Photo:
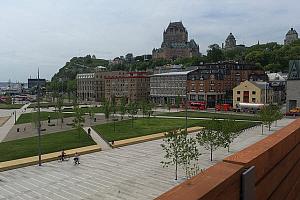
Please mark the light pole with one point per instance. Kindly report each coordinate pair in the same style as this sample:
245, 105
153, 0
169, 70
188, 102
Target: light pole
39, 120
186, 98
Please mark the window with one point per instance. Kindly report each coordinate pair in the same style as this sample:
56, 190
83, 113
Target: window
238, 99
254, 92
238, 92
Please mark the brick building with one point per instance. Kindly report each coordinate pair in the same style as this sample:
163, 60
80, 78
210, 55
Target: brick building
134, 86
175, 43
211, 83
214, 82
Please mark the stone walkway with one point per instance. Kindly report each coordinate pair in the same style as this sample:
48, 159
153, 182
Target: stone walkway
4, 130
131, 172
98, 139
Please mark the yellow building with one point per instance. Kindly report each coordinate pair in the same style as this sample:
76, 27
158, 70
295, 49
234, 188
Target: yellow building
252, 92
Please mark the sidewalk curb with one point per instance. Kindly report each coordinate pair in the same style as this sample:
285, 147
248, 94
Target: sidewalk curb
147, 138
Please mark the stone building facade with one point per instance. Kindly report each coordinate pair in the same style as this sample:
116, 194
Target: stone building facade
175, 44
291, 36
166, 87
86, 86
230, 42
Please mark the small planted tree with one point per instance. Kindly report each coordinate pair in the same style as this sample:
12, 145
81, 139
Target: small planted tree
169, 105
266, 115
278, 115
107, 110
172, 146
177, 101
188, 153
123, 107
59, 106
78, 119
91, 114
229, 131
210, 137
132, 111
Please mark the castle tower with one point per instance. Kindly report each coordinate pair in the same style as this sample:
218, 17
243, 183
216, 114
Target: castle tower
230, 42
291, 36
176, 44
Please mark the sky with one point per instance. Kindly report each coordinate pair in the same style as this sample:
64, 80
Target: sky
46, 34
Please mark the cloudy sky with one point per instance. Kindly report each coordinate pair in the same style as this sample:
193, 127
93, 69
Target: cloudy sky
47, 33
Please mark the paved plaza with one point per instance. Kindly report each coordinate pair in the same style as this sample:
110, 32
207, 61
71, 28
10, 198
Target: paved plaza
131, 172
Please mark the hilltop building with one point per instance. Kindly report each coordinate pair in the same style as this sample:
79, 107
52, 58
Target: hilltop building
291, 36
175, 43
230, 43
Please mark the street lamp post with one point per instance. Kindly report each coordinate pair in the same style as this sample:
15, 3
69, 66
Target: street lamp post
39, 120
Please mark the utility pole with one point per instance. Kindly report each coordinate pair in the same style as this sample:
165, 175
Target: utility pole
39, 120
186, 115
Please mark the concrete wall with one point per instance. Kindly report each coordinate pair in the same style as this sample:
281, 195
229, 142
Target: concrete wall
277, 171
293, 92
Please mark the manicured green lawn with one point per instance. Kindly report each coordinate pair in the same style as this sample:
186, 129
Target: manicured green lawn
145, 126
10, 106
197, 114
50, 143
27, 117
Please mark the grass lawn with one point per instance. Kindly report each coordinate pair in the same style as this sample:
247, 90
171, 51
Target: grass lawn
10, 106
198, 114
27, 117
50, 143
145, 126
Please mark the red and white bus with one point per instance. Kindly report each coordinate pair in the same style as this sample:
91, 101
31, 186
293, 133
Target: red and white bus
199, 105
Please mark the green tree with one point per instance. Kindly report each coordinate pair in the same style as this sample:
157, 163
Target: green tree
78, 119
123, 107
59, 106
214, 53
177, 101
107, 110
91, 113
172, 146
188, 153
169, 105
229, 131
266, 115
278, 115
210, 137
132, 110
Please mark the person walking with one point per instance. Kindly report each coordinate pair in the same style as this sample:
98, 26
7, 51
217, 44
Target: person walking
76, 159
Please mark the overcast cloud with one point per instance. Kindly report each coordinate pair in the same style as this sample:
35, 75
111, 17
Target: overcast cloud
48, 33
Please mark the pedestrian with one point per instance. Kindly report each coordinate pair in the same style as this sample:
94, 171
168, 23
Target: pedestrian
24, 129
76, 159
62, 155
89, 131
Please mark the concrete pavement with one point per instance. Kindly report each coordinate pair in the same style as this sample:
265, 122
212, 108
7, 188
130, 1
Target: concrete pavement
130, 172
4, 130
